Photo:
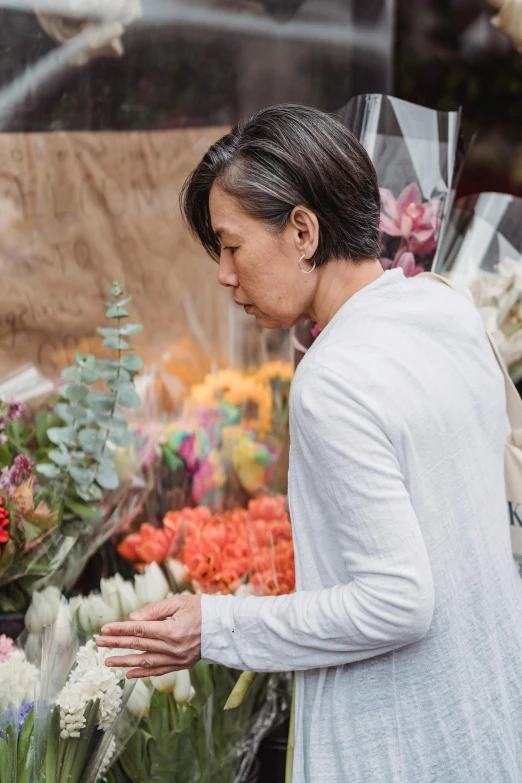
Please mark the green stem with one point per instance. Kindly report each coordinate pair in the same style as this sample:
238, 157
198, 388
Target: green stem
91, 714
51, 761
291, 740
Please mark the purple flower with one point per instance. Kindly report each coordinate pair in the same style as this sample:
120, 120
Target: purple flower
21, 471
25, 709
3, 439
15, 411
407, 216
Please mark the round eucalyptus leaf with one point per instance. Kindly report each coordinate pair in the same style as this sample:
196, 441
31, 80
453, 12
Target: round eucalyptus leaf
130, 329
132, 363
74, 392
106, 477
46, 469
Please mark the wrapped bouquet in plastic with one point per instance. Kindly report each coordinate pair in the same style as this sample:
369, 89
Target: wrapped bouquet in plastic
482, 251
71, 468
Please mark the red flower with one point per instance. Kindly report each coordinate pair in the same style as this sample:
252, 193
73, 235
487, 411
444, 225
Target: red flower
4, 523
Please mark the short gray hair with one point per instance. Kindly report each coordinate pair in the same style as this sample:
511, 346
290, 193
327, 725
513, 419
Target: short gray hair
287, 156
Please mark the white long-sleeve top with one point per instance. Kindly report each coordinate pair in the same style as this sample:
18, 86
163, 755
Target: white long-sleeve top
406, 626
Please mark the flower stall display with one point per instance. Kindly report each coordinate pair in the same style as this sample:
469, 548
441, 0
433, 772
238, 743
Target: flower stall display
483, 251
230, 441
237, 551
70, 470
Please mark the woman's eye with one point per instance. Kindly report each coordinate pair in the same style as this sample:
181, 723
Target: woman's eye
232, 249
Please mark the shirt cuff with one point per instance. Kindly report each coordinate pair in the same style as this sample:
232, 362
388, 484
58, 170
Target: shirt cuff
217, 627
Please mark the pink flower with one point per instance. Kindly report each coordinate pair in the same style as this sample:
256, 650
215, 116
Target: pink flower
7, 648
210, 474
407, 217
404, 261
316, 330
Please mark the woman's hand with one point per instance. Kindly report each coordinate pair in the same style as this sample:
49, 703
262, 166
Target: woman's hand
166, 645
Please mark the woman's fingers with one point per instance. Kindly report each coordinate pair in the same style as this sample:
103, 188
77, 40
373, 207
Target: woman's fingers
143, 630
135, 643
145, 661
135, 673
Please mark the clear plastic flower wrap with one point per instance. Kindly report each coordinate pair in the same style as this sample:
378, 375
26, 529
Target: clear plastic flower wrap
198, 741
18, 679
418, 154
482, 250
73, 470
78, 706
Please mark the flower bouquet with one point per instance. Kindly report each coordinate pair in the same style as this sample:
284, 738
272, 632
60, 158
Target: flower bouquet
482, 250
418, 155
70, 470
230, 441
18, 678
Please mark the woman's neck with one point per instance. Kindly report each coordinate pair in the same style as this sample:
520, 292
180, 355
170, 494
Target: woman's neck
338, 282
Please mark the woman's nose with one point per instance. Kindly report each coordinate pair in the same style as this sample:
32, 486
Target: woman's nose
226, 276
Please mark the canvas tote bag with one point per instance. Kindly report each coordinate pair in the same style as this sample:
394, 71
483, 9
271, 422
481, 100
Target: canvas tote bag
513, 447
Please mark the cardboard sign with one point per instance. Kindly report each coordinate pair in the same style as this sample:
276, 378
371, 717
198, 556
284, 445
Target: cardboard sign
79, 210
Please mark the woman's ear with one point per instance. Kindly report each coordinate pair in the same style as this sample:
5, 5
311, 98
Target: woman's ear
305, 226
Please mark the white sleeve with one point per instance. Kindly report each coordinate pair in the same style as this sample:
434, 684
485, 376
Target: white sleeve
386, 602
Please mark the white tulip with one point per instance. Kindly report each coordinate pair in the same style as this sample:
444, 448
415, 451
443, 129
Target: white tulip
178, 570
151, 586
243, 590
43, 609
182, 687
94, 612
128, 598
165, 683
139, 701
63, 624
110, 595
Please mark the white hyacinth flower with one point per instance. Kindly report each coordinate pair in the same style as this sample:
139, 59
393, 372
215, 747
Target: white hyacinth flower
72, 703
90, 680
43, 610
17, 680
107, 760
151, 586
139, 700
182, 687
165, 683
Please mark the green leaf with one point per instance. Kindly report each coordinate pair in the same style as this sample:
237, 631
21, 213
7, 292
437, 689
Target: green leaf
81, 475
108, 331
91, 440
30, 531
60, 458
128, 397
81, 509
115, 311
111, 423
72, 527
91, 494
116, 289
107, 477
43, 420
5, 456
46, 469
116, 344
74, 392
65, 435
118, 377
91, 376
72, 374
124, 301
100, 402
25, 761
121, 438
130, 329
132, 363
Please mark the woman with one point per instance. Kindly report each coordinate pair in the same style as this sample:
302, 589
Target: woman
405, 630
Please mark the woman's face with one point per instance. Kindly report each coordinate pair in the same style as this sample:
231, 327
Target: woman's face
261, 266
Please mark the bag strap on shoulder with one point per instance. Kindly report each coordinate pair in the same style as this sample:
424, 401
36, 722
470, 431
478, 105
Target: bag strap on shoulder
513, 400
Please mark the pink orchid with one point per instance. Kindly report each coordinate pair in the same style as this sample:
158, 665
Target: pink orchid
7, 648
316, 331
407, 217
405, 261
